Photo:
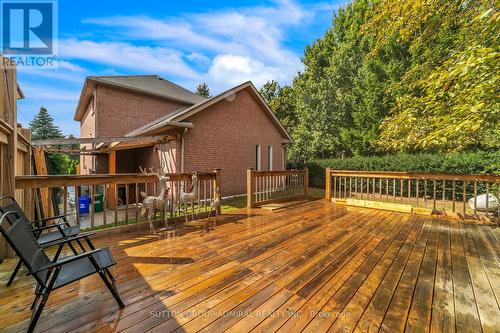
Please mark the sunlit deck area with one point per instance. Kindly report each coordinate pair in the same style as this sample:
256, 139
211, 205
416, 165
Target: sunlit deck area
313, 267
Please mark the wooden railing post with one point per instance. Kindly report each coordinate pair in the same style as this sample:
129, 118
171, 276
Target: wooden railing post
328, 185
111, 197
306, 182
217, 185
250, 186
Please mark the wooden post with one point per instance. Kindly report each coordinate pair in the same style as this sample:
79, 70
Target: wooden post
112, 202
216, 184
250, 187
328, 185
306, 182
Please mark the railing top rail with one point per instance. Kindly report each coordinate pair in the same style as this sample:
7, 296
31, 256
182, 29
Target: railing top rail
277, 173
25, 182
415, 175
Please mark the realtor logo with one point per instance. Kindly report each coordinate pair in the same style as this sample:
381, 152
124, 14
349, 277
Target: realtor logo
28, 32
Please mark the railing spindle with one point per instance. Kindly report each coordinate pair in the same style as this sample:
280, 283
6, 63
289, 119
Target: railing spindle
65, 198
434, 195
475, 197
401, 190
77, 207
137, 202
115, 188
91, 207
453, 184
104, 204
487, 197
417, 190
425, 193
464, 198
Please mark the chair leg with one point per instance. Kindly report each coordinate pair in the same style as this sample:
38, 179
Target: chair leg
37, 311
112, 289
72, 248
81, 245
14, 273
110, 275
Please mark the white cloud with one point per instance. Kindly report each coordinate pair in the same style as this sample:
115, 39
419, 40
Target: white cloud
126, 55
258, 33
235, 69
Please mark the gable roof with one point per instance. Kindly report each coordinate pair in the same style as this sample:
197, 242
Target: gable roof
178, 116
152, 85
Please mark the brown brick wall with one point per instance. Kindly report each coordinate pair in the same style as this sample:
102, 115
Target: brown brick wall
87, 130
225, 135
120, 111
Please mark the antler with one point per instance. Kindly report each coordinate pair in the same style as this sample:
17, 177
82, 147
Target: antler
150, 173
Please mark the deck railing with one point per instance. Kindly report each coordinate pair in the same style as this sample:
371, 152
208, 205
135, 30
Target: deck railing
270, 186
460, 194
116, 194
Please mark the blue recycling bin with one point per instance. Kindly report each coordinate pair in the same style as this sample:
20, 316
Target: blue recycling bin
83, 204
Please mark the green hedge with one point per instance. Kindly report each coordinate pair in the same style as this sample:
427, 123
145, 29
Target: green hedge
466, 163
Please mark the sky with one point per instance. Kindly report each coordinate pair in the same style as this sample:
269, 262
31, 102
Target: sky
222, 43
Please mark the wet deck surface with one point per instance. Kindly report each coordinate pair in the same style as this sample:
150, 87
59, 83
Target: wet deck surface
314, 267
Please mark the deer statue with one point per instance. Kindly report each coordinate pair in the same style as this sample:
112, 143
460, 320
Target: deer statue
150, 202
192, 196
215, 204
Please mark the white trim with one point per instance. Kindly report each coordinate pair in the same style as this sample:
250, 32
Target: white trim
258, 157
270, 158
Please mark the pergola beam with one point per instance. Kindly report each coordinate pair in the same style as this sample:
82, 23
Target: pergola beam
79, 141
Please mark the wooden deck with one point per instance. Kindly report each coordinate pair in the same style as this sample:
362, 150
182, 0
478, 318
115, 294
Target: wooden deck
314, 267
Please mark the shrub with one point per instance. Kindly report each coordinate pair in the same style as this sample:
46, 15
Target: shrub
461, 163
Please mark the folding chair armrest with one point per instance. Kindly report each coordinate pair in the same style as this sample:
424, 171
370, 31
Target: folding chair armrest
69, 239
66, 260
55, 225
45, 220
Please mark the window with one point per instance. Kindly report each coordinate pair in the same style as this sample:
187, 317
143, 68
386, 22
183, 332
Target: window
270, 158
257, 157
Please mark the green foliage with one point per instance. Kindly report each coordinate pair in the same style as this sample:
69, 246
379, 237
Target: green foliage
42, 126
451, 98
203, 90
465, 163
394, 76
282, 101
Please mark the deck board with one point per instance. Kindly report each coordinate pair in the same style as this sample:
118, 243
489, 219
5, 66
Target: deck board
312, 267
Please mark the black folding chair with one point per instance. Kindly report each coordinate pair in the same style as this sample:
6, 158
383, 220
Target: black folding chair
41, 230
51, 275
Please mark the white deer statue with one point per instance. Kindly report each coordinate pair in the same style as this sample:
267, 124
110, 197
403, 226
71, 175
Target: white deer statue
215, 204
185, 197
150, 202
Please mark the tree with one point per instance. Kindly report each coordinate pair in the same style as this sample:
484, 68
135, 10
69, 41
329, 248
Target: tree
42, 126
270, 90
451, 98
396, 76
203, 90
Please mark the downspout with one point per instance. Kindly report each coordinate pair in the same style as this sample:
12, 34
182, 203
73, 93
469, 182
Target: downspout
182, 149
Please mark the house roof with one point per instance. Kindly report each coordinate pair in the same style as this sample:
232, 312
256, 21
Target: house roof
179, 116
152, 85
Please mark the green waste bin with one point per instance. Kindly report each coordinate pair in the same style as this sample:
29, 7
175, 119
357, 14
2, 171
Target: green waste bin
98, 199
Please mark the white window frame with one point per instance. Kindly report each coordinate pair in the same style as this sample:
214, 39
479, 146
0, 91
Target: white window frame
258, 158
270, 157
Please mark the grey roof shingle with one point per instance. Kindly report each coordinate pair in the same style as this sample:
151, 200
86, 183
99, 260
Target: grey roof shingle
152, 85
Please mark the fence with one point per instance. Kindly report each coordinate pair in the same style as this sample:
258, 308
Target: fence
463, 195
268, 186
113, 198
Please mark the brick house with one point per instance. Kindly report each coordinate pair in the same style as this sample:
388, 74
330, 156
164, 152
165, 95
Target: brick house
234, 130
